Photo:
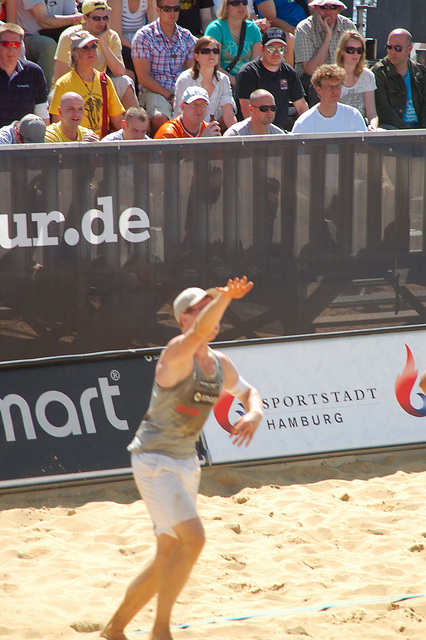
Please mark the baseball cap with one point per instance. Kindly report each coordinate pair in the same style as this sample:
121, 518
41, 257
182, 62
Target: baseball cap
321, 3
92, 5
195, 93
190, 297
32, 128
274, 35
82, 38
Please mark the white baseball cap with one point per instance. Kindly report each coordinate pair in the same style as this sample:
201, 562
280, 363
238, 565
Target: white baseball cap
321, 3
195, 93
190, 297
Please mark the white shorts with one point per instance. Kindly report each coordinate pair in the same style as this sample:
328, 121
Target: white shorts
155, 104
121, 84
169, 488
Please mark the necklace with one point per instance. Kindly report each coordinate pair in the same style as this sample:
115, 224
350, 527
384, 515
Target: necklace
89, 89
236, 36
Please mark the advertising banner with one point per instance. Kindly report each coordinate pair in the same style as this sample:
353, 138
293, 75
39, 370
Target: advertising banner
71, 420
74, 419
327, 395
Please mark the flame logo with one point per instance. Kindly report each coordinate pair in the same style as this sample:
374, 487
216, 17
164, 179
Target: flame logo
404, 384
222, 409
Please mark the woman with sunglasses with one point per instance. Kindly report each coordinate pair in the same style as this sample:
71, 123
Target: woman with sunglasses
239, 37
204, 73
359, 87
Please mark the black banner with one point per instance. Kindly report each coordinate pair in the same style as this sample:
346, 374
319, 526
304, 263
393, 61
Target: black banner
76, 416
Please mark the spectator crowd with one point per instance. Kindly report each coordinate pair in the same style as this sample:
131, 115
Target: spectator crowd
139, 69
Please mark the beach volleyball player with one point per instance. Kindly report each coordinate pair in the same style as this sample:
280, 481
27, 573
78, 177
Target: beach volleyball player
189, 378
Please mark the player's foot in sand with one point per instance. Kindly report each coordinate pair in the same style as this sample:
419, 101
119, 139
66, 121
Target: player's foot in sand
110, 634
165, 635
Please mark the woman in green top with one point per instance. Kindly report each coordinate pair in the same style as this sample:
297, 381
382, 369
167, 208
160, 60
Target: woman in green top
239, 37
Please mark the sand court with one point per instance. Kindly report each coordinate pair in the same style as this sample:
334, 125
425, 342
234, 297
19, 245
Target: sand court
320, 549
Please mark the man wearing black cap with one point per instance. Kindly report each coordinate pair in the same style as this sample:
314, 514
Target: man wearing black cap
271, 73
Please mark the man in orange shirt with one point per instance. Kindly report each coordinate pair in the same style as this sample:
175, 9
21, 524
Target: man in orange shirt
191, 122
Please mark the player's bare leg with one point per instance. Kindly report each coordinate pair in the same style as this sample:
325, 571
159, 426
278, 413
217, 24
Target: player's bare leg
176, 572
141, 590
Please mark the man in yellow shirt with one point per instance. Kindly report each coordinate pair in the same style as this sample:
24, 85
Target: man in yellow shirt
102, 109
96, 22
68, 129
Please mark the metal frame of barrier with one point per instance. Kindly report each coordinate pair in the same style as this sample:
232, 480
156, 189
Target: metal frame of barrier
96, 240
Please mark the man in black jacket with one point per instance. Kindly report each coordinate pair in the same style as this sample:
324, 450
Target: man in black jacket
401, 85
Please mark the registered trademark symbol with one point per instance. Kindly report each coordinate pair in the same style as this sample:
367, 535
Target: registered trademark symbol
115, 375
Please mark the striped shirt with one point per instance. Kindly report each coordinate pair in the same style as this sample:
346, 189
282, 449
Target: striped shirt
309, 36
167, 58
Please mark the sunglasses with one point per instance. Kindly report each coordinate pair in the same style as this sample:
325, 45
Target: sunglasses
167, 9
99, 18
7, 44
330, 7
236, 3
352, 50
397, 47
90, 47
273, 49
205, 51
266, 107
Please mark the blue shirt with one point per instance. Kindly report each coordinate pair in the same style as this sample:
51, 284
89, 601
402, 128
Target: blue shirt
287, 10
7, 134
19, 94
410, 114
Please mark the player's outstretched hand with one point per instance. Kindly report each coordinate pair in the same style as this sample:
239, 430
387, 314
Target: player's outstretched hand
236, 288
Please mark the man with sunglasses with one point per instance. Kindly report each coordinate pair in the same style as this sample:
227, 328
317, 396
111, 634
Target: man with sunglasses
401, 85
23, 86
101, 103
161, 50
316, 39
96, 22
271, 73
262, 109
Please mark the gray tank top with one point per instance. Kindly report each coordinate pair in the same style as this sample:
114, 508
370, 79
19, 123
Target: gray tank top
175, 416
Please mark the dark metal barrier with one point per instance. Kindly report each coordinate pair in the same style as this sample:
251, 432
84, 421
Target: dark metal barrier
96, 240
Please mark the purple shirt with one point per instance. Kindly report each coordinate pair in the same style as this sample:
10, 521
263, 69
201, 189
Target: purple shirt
167, 58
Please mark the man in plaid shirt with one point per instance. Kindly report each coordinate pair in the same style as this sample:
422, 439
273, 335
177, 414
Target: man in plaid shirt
161, 50
316, 39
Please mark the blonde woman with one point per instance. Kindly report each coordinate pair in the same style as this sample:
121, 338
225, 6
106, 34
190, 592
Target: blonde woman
359, 87
239, 37
204, 73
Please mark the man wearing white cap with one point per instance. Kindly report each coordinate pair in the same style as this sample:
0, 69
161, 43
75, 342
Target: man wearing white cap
316, 39
191, 122
28, 130
189, 378
101, 103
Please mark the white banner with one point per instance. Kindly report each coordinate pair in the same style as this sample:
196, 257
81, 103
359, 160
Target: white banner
326, 395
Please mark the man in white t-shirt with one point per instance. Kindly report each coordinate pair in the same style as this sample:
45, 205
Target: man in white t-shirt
262, 109
329, 116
